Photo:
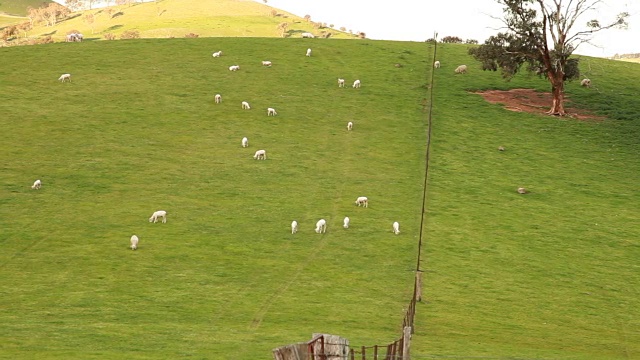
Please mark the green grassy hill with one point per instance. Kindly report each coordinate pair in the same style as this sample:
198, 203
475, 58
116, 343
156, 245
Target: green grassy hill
176, 18
19, 7
551, 274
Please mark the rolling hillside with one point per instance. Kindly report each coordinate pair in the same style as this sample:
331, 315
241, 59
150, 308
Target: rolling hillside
176, 18
549, 274
19, 7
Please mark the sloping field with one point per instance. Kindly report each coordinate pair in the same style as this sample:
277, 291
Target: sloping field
19, 7
136, 130
176, 18
550, 274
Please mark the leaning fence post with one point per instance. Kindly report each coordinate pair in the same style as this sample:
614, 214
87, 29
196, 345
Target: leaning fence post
406, 343
418, 285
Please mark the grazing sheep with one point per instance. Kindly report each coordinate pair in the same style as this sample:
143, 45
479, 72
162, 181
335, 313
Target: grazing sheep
245, 105
340, 82
245, 142
462, 69
309, 52
218, 98
362, 200
266, 63
308, 35
321, 226
349, 126
64, 77
217, 54
36, 184
500, 148
436, 64
271, 112
356, 84
585, 83
234, 67
396, 228
345, 223
260, 155
134, 242
522, 190
294, 227
157, 215
79, 37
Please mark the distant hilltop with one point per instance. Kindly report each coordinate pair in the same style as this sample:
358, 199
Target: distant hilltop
625, 56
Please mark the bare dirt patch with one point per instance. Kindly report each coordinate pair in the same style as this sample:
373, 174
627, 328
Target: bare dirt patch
534, 102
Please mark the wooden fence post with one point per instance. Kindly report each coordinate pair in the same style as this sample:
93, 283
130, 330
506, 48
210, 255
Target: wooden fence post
419, 285
406, 343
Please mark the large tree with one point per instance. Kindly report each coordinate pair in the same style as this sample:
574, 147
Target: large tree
542, 35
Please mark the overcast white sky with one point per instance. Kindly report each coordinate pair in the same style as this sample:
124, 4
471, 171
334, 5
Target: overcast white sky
417, 20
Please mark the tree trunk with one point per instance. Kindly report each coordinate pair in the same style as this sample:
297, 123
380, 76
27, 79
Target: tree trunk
557, 91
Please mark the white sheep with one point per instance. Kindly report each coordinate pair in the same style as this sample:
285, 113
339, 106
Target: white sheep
217, 53
340, 82
462, 69
356, 84
245, 105
245, 142
362, 200
271, 112
260, 155
36, 184
585, 82
436, 64
345, 223
294, 227
218, 98
321, 226
349, 126
157, 215
134, 242
309, 52
396, 228
64, 77
308, 35
266, 63
234, 67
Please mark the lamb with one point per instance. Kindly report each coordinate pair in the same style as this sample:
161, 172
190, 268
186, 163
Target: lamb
309, 52
294, 227
436, 64
345, 223
396, 228
157, 215
36, 184
356, 84
585, 83
266, 63
64, 77
245, 142
462, 69
362, 200
349, 126
500, 148
217, 54
271, 112
218, 98
234, 67
340, 82
308, 35
134, 242
245, 105
260, 155
522, 190
321, 226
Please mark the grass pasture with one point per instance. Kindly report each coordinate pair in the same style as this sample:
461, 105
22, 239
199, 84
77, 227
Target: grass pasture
137, 131
552, 274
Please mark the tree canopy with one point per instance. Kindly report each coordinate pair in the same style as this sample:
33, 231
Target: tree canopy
542, 35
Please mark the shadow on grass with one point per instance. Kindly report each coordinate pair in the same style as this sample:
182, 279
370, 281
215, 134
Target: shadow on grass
112, 28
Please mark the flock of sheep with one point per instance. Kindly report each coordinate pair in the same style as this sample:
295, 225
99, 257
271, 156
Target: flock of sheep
321, 225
